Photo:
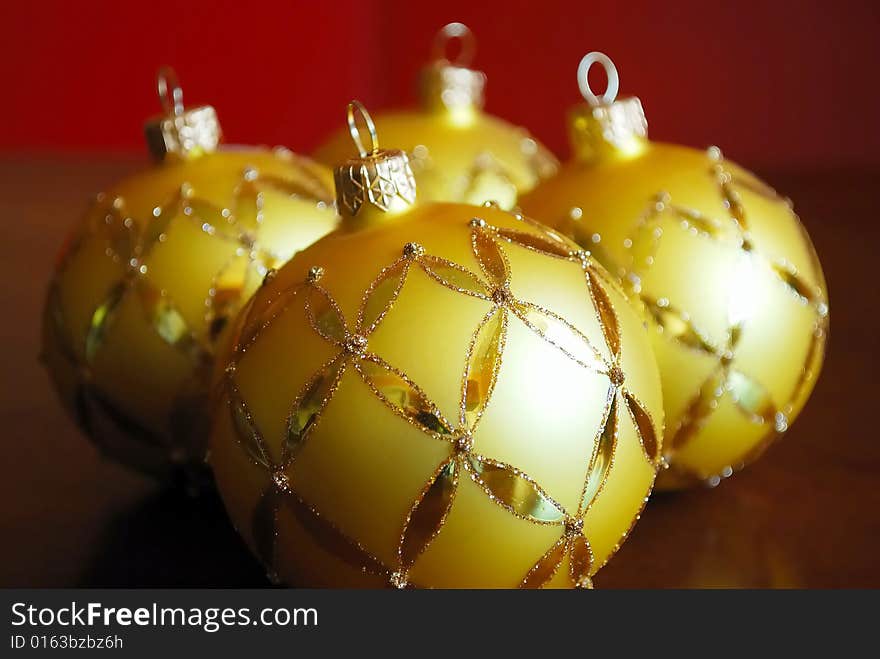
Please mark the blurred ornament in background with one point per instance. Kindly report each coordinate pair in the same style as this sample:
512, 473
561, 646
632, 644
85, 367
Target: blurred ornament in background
147, 282
731, 286
456, 151
435, 395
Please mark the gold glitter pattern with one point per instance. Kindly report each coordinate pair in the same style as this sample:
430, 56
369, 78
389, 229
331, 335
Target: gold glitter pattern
129, 243
485, 172
725, 379
504, 484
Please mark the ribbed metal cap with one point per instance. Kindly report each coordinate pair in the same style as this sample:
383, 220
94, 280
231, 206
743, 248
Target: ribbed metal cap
450, 83
604, 124
183, 132
376, 177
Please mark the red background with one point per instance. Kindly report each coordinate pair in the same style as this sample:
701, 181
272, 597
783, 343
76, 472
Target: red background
793, 84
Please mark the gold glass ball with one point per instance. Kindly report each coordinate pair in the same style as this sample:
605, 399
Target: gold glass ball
148, 280
729, 281
466, 155
446, 396
457, 152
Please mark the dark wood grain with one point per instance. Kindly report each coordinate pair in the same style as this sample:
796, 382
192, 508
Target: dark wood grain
806, 515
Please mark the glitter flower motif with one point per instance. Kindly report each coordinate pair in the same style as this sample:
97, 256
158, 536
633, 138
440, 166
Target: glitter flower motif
726, 379
130, 243
506, 485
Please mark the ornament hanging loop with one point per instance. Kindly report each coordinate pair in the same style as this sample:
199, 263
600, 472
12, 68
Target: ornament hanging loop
377, 179
354, 109
583, 76
450, 32
166, 80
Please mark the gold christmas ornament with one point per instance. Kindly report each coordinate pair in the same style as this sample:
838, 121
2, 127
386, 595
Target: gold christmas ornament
457, 152
729, 281
435, 395
146, 283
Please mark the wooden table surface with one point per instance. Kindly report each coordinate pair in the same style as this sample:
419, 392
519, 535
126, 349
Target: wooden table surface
806, 515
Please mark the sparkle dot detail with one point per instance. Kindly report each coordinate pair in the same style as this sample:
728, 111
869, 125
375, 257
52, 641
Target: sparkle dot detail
574, 526
464, 442
501, 295
781, 422
281, 481
413, 250
398, 580
356, 345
